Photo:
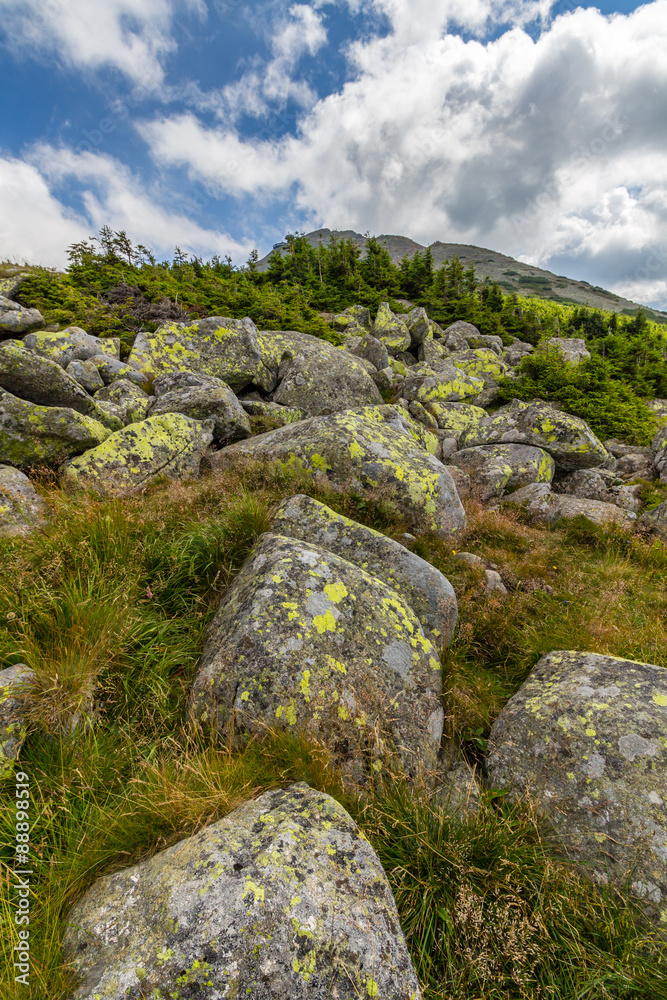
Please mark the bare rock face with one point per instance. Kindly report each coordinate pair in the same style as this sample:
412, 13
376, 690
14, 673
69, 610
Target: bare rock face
310, 642
284, 897
586, 736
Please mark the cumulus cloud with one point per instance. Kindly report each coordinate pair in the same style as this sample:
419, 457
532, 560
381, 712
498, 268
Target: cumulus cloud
132, 36
550, 146
35, 224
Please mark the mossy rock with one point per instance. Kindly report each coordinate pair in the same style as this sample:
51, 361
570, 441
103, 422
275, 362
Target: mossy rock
310, 642
205, 398
170, 445
372, 448
586, 737
456, 418
284, 897
496, 468
483, 363
447, 384
130, 401
325, 380
21, 508
32, 435
15, 319
568, 439
391, 330
14, 682
545, 508
423, 587
70, 344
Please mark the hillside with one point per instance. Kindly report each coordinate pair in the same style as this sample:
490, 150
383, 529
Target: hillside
333, 634
512, 275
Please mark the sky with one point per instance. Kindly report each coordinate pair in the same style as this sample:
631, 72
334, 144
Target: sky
535, 128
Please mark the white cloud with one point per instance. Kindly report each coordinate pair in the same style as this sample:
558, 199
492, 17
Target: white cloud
36, 226
549, 148
133, 36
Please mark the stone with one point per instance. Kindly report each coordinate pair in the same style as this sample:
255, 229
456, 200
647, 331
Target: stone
111, 370
460, 791
39, 380
448, 384
417, 411
373, 350
352, 318
568, 439
483, 363
655, 521
659, 446
419, 326
423, 587
371, 448
493, 584
487, 342
325, 381
130, 402
86, 374
456, 334
587, 484
309, 642
32, 435
547, 508
573, 349
471, 560
204, 398
283, 898
496, 468
170, 445
626, 497
277, 415
21, 508
456, 418
70, 344
433, 353
516, 352
586, 737
391, 330
16, 319
227, 349
461, 479
384, 379
10, 284
13, 724
635, 466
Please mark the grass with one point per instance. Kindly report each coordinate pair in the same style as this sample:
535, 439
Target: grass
115, 596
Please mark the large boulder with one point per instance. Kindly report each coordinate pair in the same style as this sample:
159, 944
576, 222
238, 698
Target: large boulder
202, 397
16, 319
455, 418
86, 374
655, 521
283, 898
496, 468
573, 349
483, 363
568, 439
129, 400
456, 335
324, 381
546, 508
353, 321
419, 325
372, 350
372, 448
423, 587
391, 330
307, 641
228, 349
32, 435
70, 344
170, 445
112, 370
41, 381
14, 683
445, 385
586, 737
21, 507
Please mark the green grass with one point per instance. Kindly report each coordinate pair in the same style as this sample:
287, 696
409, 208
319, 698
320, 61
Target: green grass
116, 596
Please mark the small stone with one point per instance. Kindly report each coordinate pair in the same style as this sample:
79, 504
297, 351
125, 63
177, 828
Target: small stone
13, 727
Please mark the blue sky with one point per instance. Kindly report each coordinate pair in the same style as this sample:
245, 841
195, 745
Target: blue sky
536, 128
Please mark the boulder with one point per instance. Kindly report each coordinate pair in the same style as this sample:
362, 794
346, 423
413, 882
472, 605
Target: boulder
422, 415
586, 737
38, 380
423, 587
16, 319
568, 439
111, 370
129, 400
487, 342
493, 584
70, 344
586, 484
228, 349
516, 352
324, 381
202, 397
391, 330
636, 465
21, 507
170, 445
284, 897
573, 349
456, 418
13, 726
483, 364
278, 415
456, 334
384, 379
419, 326
496, 468
309, 642
433, 353
461, 479
655, 521
86, 374
448, 384
352, 320
547, 508
32, 435
373, 350
370, 448
659, 447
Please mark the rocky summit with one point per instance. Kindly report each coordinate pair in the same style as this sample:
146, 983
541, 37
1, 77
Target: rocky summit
334, 658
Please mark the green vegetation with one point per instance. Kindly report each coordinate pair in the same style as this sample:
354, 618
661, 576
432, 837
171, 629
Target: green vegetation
119, 592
